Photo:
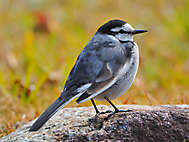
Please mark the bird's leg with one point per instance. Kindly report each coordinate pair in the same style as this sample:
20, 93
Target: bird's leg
116, 110
96, 109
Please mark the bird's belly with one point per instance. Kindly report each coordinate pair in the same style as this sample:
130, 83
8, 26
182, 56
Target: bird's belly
121, 85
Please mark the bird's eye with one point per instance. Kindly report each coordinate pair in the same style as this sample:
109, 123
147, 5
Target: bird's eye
124, 32
118, 30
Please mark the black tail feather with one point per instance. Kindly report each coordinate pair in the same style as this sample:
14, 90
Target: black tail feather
51, 110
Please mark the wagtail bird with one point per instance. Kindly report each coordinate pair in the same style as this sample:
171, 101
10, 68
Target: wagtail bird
104, 70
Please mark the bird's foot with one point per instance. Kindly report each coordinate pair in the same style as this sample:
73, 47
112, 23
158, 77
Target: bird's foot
99, 115
104, 112
116, 111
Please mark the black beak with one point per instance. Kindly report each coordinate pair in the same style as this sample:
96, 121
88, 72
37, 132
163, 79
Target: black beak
139, 31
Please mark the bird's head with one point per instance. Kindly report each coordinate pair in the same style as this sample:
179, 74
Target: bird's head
120, 30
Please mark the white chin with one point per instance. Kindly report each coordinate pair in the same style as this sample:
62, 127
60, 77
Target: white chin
124, 37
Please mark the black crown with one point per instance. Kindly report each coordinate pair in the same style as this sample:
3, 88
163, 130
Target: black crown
105, 29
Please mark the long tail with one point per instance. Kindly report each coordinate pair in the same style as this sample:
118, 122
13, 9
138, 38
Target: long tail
51, 110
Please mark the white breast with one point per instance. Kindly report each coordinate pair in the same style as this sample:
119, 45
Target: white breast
124, 78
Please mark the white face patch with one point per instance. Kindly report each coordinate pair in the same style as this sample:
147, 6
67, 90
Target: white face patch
128, 27
124, 37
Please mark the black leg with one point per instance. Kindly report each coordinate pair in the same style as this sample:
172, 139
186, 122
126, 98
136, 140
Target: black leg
115, 108
96, 109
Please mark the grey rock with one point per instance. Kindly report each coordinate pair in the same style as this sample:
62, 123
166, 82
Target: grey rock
145, 123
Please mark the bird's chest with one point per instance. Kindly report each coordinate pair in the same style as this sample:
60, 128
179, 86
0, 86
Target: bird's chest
127, 76
125, 79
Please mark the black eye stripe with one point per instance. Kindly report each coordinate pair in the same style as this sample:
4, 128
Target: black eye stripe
122, 32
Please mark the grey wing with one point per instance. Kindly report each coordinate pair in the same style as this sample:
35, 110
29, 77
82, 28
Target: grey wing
112, 58
84, 72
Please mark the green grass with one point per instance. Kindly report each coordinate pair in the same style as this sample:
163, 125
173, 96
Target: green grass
40, 41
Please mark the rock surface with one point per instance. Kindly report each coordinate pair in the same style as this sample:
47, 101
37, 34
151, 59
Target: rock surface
143, 124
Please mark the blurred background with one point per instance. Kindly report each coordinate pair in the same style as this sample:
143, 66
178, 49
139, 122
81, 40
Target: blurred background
41, 39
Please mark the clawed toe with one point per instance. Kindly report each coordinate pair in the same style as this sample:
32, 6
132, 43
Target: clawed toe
117, 110
111, 113
108, 111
